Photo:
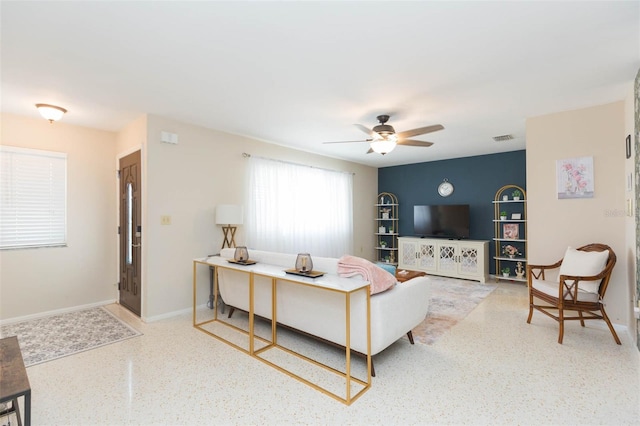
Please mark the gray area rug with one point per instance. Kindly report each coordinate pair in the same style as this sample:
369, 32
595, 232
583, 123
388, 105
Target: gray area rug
49, 338
451, 301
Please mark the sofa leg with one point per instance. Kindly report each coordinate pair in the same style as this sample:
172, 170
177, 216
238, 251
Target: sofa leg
410, 336
373, 370
231, 310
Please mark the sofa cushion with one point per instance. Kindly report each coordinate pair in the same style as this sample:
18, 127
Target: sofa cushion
388, 267
584, 264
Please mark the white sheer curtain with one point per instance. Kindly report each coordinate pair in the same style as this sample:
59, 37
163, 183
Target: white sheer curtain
299, 209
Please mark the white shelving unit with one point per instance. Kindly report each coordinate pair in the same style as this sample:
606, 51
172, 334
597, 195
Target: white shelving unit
387, 228
510, 231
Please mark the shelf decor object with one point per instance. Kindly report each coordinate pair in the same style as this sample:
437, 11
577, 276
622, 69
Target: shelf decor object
510, 235
387, 227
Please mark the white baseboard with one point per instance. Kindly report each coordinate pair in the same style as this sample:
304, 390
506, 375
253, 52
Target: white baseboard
55, 312
167, 315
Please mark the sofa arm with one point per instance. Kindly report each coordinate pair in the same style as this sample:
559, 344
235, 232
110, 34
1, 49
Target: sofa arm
397, 311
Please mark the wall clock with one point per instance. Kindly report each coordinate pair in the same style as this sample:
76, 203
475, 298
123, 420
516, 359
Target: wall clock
445, 188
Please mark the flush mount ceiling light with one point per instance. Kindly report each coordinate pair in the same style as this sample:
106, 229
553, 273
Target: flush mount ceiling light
51, 112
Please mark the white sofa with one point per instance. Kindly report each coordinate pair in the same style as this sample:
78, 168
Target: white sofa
394, 312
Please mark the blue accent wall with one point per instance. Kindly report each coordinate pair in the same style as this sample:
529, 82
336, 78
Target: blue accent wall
475, 179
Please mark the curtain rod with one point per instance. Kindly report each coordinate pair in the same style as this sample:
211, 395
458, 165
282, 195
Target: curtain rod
245, 155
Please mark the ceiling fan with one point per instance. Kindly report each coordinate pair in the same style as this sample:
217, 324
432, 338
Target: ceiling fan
384, 138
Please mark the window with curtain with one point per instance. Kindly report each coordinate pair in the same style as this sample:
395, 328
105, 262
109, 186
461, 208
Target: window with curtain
294, 208
33, 198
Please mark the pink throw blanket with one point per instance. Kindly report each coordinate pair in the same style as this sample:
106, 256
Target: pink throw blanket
380, 280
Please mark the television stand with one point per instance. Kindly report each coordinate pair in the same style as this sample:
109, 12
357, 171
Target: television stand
467, 259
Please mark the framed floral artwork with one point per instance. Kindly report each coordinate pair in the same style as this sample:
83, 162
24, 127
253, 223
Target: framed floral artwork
574, 178
510, 231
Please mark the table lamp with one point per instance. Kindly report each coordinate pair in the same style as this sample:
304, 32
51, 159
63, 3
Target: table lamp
228, 215
304, 263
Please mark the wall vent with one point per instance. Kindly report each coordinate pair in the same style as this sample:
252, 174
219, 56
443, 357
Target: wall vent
502, 138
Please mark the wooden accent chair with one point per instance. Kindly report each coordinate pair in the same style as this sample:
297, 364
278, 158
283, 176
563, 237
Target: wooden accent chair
579, 288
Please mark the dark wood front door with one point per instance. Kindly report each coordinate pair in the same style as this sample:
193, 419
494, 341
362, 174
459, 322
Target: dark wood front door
130, 232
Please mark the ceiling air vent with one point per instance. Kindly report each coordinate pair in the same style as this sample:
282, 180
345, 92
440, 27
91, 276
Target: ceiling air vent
502, 138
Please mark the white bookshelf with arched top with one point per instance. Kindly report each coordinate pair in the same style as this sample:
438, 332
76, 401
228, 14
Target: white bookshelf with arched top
510, 233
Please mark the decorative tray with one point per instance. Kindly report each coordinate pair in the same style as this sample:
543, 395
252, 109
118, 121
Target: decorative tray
310, 274
242, 262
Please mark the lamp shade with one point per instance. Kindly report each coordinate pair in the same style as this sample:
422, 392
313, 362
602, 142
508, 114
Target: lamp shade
228, 214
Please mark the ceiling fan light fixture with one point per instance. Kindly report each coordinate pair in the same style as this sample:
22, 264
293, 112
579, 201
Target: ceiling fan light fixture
383, 146
51, 112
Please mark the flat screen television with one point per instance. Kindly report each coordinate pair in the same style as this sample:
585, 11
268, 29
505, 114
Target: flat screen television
441, 221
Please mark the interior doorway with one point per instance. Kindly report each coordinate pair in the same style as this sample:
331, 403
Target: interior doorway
130, 193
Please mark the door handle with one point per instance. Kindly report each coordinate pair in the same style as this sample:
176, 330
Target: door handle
136, 245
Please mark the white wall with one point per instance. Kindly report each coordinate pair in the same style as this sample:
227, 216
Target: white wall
40, 280
186, 181
555, 224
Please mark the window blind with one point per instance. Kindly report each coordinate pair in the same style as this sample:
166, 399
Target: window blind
33, 198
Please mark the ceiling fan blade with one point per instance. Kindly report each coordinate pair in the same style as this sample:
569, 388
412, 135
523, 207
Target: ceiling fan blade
363, 140
420, 131
367, 131
411, 142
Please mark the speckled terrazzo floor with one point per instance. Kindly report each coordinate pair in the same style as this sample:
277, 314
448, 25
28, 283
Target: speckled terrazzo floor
491, 368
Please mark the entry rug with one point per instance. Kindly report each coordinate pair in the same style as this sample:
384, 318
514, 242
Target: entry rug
57, 336
451, 301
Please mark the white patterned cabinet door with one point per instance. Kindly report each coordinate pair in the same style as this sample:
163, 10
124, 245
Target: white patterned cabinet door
447, 258
427, 256
407, 253
472, 258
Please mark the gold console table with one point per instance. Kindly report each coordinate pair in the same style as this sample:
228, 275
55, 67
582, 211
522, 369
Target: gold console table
328, 282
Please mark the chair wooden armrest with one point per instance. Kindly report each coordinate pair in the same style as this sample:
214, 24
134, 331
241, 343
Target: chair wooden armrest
537, 271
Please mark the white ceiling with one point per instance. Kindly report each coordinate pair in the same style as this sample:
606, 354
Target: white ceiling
300, 73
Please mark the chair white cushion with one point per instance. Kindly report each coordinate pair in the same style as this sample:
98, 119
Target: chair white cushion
584, 264
551, 288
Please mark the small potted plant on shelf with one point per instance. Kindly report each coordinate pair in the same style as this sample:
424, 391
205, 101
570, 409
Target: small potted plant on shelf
510, 251
383, 244
516, 194
503, 215
505, 272
385, 213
